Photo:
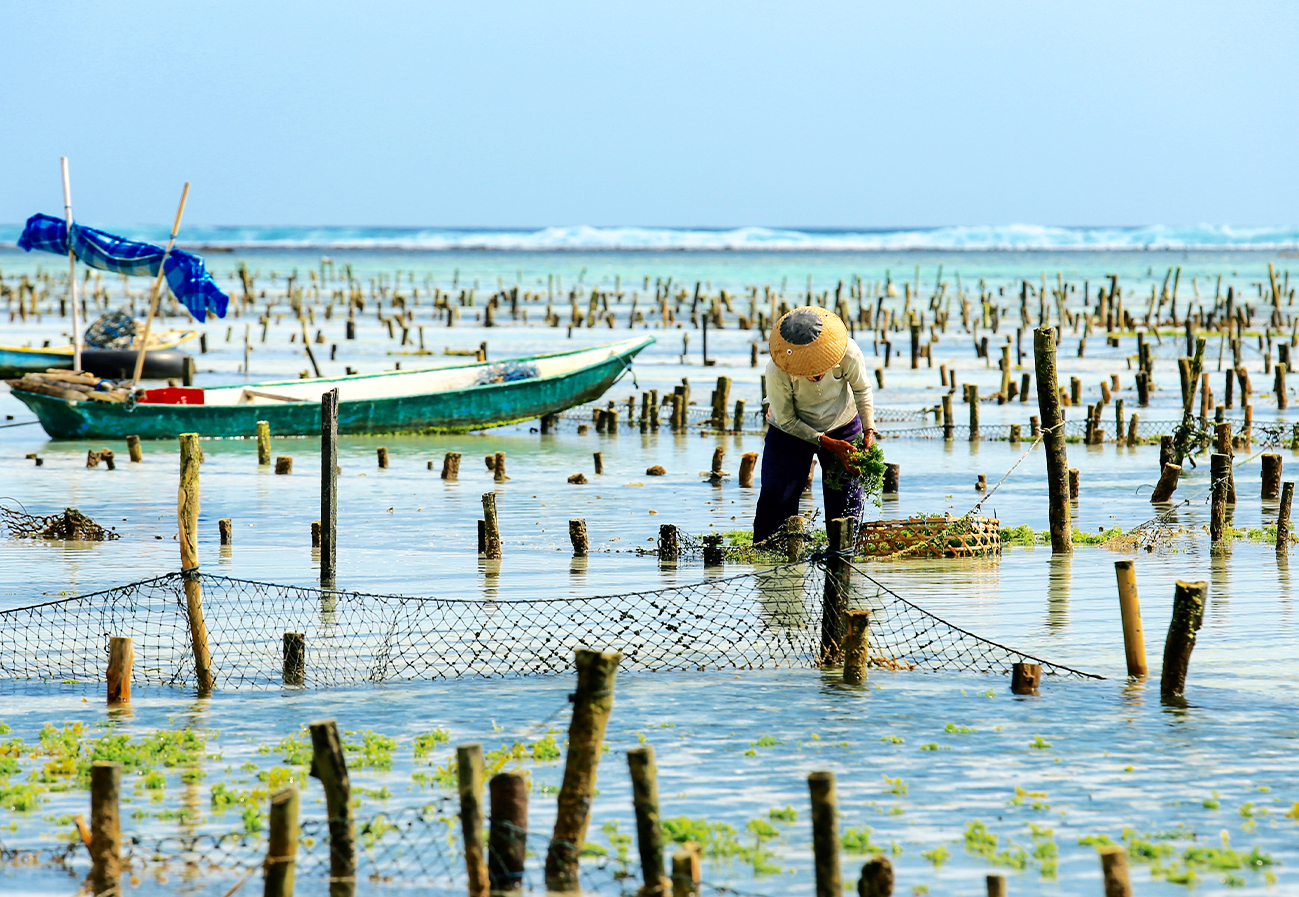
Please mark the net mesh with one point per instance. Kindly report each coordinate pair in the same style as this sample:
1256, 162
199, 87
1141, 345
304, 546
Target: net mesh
770, 618
68, 525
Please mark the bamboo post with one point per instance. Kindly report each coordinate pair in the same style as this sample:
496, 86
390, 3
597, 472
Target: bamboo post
134, 450
263, 443
469, 771
329, 487
1188, 615
1219, 465
105, 827
748, 461
1283, 517
1057, 461
1025, 678
187, 518
685, 871
877, 873
492, 527
1134, 639
577, 535
649, 831
282, 845
592, 704
157, 286
72, 271
825, 834
842, 535
856, 651
1271, 474
507, 839
294, 655
329, 765
1114, 871
121, 658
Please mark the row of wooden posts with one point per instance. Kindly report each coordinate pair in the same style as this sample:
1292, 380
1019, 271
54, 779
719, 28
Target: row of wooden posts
499, 869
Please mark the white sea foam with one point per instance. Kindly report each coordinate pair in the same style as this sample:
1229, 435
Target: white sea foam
1014, 237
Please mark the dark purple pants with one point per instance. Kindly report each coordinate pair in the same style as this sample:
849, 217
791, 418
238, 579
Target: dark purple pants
785, 462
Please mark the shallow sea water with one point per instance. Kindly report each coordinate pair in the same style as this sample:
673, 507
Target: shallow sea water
1116, 757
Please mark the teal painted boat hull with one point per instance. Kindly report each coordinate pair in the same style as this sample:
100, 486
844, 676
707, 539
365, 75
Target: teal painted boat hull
458, 410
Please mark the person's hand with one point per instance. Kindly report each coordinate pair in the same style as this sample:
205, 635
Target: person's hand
869, 437
841, 450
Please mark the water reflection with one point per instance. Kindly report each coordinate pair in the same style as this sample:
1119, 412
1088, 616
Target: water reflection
1059, 584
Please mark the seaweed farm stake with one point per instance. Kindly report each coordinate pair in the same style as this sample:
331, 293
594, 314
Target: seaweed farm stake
294, 657
381, 454
876, 876
1188, 615
329, 765
996, 886
469, 772
1057, 461
282, 845
187, 517
592, 704
747, 462
315, 534
226, 529
1167, 484
714, 556
105, 827
825, 834
577, 535
598, 458
498, 467
1025, 678
669, 543
856, 650
1219, 465
649, 831
892, 478
263, 443
1134, 640
134, 450
329, 486
1271, 476
685, 871
1114, 871
450, 466
491, 528
121, 658
842, 534
794, 539
507, 837
1283, 518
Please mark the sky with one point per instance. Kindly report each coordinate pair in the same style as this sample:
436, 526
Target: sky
716, 114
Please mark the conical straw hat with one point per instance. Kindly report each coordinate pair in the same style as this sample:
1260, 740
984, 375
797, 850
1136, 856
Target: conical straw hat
808, 341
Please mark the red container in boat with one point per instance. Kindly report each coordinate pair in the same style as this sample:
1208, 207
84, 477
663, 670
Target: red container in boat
173, 395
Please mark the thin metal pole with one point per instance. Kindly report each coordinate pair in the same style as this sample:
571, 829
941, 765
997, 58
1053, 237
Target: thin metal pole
72, 269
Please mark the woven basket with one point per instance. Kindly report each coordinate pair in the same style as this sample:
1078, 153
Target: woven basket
933, 537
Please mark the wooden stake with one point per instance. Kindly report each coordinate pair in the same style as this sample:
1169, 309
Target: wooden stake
329, 765
1188, 615
263, 443
649, 831
856, 652
1114, 871
105, 827
507, 840
893, 476
282, 845
1271, 474
1283, 518
498, 467
450, 466
492, 527
226, 529
121, 658
315, 534
838, 577
295, 658
1167, 484
134, 450
469, 771
592, 704
1134, 639
877, 873
996, 885
825, 834
187, 517
685, 871
1220, 466
577, 535
669, 547
157, 286
599, 462
794, 539
381, 454
1025, 678
1057, 461
748, 461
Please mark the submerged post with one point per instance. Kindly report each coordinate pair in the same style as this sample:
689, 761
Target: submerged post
649, 831
329, 765
105, 827
856, 652
328, 487
121, 658
1219, 468
282, 845
838, 577
469, 771
592, 704
187, 518
1134, 640
825, 834
1283, 517
491, 528
1188, 615
263, 443
877, 873
507, 838
1057, 460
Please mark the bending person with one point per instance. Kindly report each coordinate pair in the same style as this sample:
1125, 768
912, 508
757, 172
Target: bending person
819, 402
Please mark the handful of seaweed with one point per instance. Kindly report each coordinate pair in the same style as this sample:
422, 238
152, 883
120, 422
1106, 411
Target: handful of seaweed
70, 526
868, 465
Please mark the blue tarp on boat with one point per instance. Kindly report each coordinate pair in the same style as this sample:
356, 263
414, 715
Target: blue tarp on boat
186, 274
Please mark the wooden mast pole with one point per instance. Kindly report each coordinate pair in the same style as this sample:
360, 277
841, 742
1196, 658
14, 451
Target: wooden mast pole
72, 269
157, 286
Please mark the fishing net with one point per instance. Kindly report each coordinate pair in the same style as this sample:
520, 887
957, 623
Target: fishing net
71, 525
770, 618
111, 330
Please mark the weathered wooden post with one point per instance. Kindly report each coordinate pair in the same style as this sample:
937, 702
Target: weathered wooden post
649, 831
491, 527
121, 659
877, 873
1188, 615
856, 652
329, 486
1222, 444
825, 834
685, 871
1167, 484
996, 885
105, 828
947, 417
1114, 871
669, 543
507, 838
598, 458
1025, 678
794, 537
315, 534
280, 868
1283, 517
469, 772
329, 765
381, 455
972, 396
263, 443
284, 465
748, 461
592, 704
187, 518
1271, 474
294, 655
134, 450
577, 535
838, 578
1134, 639
1057, 460
1220, 464
451, 466
891, 480
498, 468
225, 529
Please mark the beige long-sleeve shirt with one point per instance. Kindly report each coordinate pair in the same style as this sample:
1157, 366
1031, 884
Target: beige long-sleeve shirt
806, 409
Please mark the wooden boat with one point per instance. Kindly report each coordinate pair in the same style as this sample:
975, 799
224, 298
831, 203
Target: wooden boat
450, 399
18, 360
